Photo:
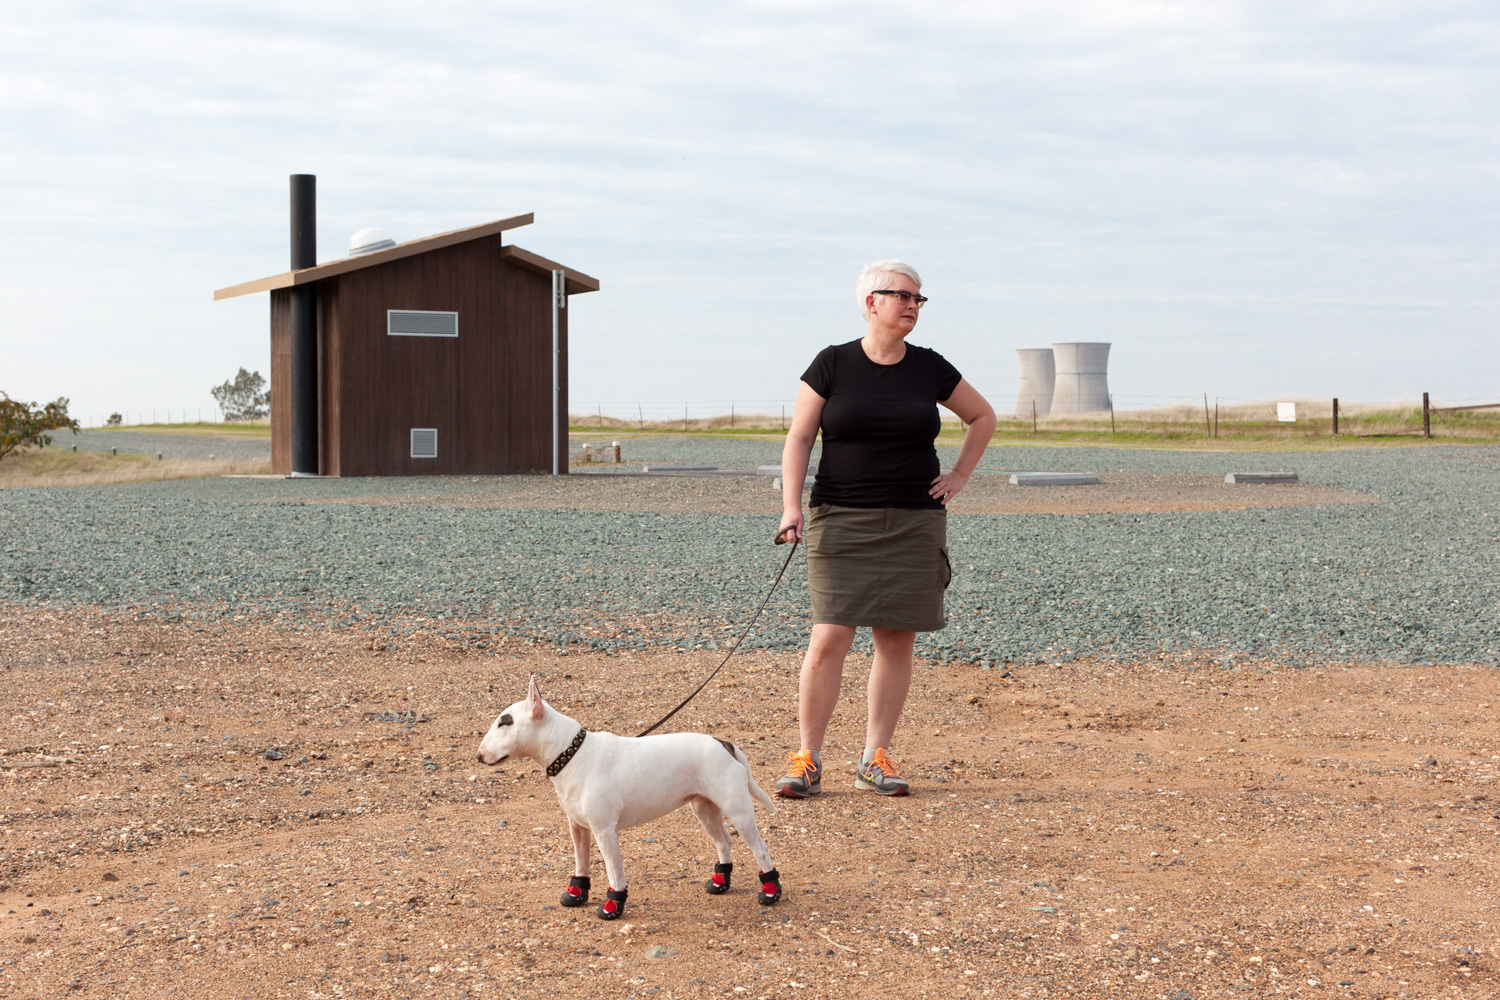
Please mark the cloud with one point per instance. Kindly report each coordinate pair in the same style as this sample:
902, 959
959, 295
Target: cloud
1214, 187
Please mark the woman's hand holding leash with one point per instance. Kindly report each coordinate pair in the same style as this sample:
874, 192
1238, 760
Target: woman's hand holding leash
791, 529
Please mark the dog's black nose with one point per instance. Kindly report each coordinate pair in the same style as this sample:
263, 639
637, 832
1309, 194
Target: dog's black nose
479, 757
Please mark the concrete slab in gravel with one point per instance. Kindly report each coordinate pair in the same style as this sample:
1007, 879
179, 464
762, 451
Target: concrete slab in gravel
806, 483
1054, 479
1239, 478
679, 468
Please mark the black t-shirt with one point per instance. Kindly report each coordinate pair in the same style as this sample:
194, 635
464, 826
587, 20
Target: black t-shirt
879, 425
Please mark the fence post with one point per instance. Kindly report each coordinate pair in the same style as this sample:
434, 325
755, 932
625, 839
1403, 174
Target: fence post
1426, 417
1335, 416
1111, 413
1207, 427
1216, 416
1033, 414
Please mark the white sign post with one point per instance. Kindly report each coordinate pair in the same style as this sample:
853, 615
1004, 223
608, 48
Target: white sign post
1286, 413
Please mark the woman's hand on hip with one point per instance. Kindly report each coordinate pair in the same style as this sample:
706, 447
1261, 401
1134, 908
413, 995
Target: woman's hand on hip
948, 485
791, 527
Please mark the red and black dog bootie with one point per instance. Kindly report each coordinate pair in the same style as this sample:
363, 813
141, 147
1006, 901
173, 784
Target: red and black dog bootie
719, 884
578, 891
613, 905
770, 887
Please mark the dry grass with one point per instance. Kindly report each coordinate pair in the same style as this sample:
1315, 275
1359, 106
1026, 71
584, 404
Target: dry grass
1257, 423
34, 467
251, 429
584, 422
1244, 427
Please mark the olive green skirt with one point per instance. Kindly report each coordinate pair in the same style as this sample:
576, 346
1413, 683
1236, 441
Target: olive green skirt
879, 567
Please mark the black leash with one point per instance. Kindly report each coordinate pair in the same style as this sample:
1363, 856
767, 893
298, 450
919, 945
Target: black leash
780, 540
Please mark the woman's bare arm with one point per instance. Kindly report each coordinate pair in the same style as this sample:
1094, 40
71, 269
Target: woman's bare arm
974, 410
807, 417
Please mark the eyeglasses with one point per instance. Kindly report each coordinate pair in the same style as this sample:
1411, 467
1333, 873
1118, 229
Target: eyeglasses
920, 300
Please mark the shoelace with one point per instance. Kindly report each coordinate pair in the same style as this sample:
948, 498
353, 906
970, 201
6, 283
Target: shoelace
801, 764
886, 765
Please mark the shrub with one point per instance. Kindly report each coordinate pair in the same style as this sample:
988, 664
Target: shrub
114, 420
27, 424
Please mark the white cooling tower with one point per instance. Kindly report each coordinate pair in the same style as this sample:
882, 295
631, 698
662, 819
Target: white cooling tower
1038, 375
1082, 384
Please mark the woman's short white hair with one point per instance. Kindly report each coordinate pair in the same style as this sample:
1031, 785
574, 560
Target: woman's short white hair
881, 274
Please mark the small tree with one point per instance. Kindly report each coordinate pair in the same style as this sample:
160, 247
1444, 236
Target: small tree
114, 420
245, 398
27, 424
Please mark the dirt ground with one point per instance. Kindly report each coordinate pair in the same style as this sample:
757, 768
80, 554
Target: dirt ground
192, 809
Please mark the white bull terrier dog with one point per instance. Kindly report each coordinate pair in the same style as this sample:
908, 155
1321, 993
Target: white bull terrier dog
607, 783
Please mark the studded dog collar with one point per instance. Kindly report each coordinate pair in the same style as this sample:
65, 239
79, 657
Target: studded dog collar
555, 768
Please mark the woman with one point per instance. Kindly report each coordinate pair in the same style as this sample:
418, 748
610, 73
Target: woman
877, 541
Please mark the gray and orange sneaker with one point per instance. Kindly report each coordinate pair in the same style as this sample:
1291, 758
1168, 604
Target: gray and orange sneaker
878, 774
804, 777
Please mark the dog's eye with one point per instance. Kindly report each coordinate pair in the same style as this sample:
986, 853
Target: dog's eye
506, 720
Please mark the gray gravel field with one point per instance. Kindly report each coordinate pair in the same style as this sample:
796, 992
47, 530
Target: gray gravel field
1414, 577
173, 447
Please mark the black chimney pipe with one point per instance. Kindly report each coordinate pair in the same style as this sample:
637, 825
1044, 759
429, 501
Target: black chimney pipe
304, 328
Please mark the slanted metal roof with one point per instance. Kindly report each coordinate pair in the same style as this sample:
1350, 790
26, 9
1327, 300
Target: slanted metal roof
577, 281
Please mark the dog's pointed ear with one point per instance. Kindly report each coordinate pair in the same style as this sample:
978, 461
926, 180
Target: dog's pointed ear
534, 700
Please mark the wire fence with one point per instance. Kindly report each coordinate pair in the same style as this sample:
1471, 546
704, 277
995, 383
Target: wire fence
1203, 414
167, 417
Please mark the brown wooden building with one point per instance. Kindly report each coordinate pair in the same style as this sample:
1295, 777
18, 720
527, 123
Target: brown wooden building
434, 356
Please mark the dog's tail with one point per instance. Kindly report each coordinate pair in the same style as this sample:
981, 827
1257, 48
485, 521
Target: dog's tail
755, 790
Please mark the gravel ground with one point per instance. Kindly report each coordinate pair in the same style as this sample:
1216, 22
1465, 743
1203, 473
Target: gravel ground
1409, 577
727, 453
172, 447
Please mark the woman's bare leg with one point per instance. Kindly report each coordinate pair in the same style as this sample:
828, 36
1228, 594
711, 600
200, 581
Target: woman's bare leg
822, 674
890, 679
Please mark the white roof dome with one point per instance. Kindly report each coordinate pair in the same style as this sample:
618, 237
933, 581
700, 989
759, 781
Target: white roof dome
368, 240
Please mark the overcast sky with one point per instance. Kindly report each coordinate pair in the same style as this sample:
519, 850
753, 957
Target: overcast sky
1253, 200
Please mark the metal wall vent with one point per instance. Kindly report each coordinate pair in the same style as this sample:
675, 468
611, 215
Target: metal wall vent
420, 323
424, 442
